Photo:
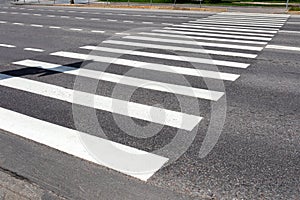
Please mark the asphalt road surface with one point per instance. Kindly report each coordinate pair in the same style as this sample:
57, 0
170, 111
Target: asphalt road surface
138, 104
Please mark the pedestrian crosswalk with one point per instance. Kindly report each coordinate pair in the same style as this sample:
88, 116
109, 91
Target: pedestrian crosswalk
225, 44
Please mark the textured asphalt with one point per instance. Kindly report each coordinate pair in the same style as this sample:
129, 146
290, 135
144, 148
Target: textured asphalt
257, 155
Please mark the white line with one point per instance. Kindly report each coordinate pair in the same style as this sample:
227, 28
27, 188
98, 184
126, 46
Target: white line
288, 48
292, 32
126, 21
3, 12
230, 46
216, 31
7, 45
282, 16
297, 23
177, 48
96, 31
136, 82
36, 25
34, 49
169, 24
214, 35
205, 38
235, 18
24, 13
170, 57
66, 17
50, 15
94, 19
54, 27
79, 18
3, 22
75, 29
37, 14
72, 142
135, 110
112, 20
20, 24
147, 22
151, 66
248, 24
227, 29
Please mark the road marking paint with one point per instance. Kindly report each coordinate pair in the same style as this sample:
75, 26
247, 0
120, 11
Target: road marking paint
147, 22
84, 12
297, 23
204, 38
34, 49
237, 24
136, 82
70, 141
176, 48
152, 66
249, 22
96, 31
20, 24
3, 12
217, 31
169, 57
125, 21
79, 18
71, 11
240, 29
54, 27
139, 111
246, 19
50, 15
7, 45
292, 32
112, 20
282, 16
3, 22
230, 46
75, 29
94, 19
279, 47
36, 25
169, 24
14, 13
66, 17
213, 35
37, 14
24, 13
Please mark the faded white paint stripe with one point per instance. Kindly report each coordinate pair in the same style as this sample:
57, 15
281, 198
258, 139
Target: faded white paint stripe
131, 162
126, 80
214, 35
188, 42
177, 48
34, 49
237, 24
135, 110
169, 57
7, 45
204, 38
279, 47
240, 29
223, 32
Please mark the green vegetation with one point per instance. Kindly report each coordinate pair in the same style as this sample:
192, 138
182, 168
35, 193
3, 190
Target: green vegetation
294, 8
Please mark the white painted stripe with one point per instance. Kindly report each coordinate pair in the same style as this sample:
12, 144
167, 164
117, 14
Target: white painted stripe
112, 20
3, 12
169, 57
71, 142
215, 24
255, 15
240, 29
94, 19
75, 29
205, 38
177, 48
79, 18
135, 110
37, 14
126, 21
230, 46
213, 35
3, 22
169, 24
147, 22
96, 31
292, 32
237, 24
279, 47
24, 13
20, 24
36, 25
246, 19
54, 27
50, 15
7, 45
66, 17
152, 66
242, 20
216, 31
125, 80
34, 49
